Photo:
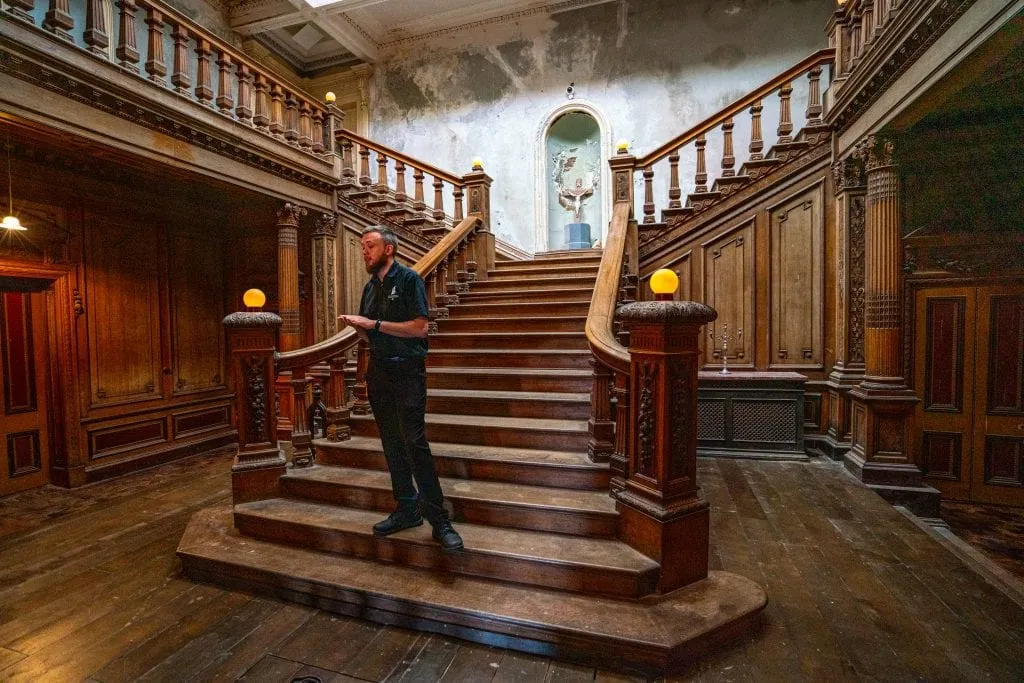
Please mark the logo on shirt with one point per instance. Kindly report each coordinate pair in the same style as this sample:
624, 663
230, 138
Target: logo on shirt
394, 294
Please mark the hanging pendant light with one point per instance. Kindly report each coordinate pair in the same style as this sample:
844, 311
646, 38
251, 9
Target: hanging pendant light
10, 221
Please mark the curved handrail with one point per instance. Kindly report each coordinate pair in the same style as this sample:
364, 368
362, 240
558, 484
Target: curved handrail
601, 314
347, 338
825, 56
398, 156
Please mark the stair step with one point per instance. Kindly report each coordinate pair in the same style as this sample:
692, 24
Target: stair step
596, 566
522, 323
571, 380
569, 254
510, 358
528, 309
536, 467
534, 282
476, 295
559, 271
554, 260
487, 430
509, 340
507, 505
569, 406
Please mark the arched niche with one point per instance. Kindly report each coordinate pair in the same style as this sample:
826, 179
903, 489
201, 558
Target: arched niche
573, 144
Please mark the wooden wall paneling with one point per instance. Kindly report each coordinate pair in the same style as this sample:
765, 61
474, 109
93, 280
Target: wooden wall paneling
944, 351
796, 252
196, 282
728, 287
353, 270
122, 296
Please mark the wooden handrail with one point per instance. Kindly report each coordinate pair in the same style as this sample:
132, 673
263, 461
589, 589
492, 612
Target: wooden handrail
601, 314
347, 338
341, 133
825, 56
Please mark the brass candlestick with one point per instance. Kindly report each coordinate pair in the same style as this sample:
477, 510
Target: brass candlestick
725, 338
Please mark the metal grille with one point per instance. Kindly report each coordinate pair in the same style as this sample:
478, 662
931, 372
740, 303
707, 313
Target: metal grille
773, 422
711, 420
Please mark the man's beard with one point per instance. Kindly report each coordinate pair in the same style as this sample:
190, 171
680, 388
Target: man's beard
375, 266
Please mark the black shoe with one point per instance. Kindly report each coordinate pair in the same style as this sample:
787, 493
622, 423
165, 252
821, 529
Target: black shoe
396, 521
447, 536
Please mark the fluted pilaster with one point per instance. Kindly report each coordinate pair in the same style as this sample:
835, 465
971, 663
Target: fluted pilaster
288, 274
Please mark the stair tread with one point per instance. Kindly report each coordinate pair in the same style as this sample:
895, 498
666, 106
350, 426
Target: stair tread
488, 540
528, 372
499, 422
443, 449
509, 395
468, 489
487, 320
491, 335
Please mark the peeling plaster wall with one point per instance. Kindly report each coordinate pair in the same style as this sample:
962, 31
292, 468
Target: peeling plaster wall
652, 67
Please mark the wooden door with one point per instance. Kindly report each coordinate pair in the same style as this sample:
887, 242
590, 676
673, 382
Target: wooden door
969, 377
998, 469
24, 432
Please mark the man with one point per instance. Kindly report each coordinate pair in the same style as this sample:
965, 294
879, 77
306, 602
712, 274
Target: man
393, 319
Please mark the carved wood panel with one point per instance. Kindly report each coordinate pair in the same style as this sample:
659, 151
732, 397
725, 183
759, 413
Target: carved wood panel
196, 278
729, 289
353, 272
796, 243
944, 357
123, 300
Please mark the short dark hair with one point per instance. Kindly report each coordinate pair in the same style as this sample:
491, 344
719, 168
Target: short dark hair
385, 234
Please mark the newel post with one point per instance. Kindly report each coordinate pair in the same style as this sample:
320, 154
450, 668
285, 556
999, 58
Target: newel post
251, 339
478, 193
662, 512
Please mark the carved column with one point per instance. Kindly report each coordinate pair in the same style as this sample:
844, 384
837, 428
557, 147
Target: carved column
478, 194
662, 512
251, 339
882, 403
848, 181
288, 274
324, 275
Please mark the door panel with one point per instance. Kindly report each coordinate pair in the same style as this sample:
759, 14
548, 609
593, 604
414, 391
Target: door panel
24, 433
999, 405
944, 355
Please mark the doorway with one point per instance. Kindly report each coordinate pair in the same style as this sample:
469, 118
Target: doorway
969, 377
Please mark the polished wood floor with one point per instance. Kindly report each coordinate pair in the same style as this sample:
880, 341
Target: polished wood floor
90, 590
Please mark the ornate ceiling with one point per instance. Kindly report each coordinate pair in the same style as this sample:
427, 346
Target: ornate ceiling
317, 34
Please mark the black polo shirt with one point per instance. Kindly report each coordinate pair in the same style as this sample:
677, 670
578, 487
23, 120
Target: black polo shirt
400, 297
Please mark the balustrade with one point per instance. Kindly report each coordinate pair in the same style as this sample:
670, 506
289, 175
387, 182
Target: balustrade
221, 77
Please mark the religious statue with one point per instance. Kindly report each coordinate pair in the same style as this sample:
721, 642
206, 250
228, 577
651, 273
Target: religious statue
572, 197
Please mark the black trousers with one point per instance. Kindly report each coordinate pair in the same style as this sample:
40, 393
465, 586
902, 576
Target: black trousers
398, 397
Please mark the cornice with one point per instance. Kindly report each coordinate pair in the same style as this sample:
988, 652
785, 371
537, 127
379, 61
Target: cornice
904, 39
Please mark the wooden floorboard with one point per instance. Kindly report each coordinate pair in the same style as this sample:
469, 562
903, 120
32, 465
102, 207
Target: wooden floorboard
90, 590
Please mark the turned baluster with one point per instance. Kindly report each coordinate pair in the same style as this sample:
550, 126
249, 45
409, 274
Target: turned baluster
291, 118
382, 173
400, 195
302, 455
452, 287
225, 100
127, 50
347, 169
417, 198
867, 25
204, 82
360, 402
814, 97
460, 267
856, 36
471, 264
364, 165
600, 426
58, 20
96, 28
244, 111
338, 413
728, 159
22, 9
674, 191
438, 199
882, 9
785, 119
440, 285
701, 178
305, 129
261, 117
457, 193
619, 460
180, 78
756, 139
648, 194
276, 111
155, 66
320, 133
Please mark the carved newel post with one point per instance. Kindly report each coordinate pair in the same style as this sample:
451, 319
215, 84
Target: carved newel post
478, 192
663, 513
251, 339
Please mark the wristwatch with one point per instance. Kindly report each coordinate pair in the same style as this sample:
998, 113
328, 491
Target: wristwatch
376, 325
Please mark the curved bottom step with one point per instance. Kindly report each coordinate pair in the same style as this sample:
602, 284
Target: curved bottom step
656, 634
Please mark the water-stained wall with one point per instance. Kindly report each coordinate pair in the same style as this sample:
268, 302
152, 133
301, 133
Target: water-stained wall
651, 67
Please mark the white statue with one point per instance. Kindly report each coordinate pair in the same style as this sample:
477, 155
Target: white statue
572, 197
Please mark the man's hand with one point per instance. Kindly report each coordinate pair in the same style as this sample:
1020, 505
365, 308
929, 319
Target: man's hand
357, 321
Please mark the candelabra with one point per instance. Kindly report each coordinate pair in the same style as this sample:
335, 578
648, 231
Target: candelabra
725, 338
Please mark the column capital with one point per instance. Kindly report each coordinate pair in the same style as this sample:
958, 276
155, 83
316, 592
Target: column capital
325, 224
848, 174
288, 215
876, 152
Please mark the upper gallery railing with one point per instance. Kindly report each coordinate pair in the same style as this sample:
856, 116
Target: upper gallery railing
160, 45
855, 28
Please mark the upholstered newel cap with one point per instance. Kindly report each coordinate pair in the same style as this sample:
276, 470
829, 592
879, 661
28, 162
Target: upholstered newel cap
687, 312
252, 319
